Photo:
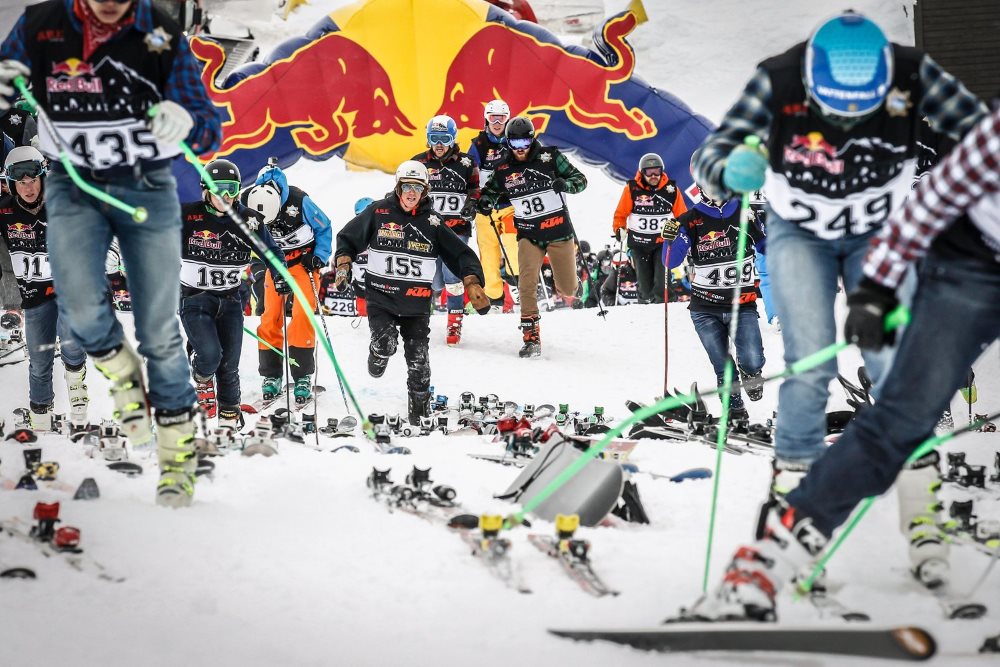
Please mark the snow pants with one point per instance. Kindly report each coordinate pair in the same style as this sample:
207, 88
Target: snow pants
416, 331
301, 337
562, 257
491, 256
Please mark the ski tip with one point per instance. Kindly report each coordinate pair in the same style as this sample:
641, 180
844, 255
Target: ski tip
917, 643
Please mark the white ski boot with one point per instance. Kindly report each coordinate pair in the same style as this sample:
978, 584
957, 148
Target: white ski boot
40, 417
78, 398
178, 458
124, 369
917, 487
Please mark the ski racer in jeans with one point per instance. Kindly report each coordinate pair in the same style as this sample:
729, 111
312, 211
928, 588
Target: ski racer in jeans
839, 116
708, 234
214, 255
113, 65
647, 202
305, 235
534, 177
454, 182
23, 224
951, 227
404, 238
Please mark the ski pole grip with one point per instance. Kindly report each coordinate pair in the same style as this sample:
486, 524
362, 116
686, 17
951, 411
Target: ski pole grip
751, 140
899, 317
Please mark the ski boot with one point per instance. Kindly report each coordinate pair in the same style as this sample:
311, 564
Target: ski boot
985, 426
376, 364
739, 419
230, 417
270, 388
752, 384
418, 406
303, 390
532, 338
205, 388
454, 335
946, 422
124, 369
78, 398
178, 457
40, 417
785, 477
917, 486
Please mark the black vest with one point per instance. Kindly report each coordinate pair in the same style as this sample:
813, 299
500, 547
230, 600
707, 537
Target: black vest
24, 233
650, 209
290, 230
99, 106
714, 240
490, 155
837, 182
540, 212
451, 181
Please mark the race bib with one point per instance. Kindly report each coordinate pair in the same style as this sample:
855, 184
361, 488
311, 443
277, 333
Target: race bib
540, 204
447, 203
209, 278
102, 145
31, 267
401, 266
484, 177
301, 236
724, 275
343, 303
647, 224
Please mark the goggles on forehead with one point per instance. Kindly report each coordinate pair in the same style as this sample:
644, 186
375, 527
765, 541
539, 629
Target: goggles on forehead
417, 188
520, 144
227, 188
21, 170
652, 171
444, 139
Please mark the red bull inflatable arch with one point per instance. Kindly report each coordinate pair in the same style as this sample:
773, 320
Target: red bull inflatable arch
362, 83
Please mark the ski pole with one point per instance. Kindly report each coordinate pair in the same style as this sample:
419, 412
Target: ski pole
138, 213
269, 346
666, 316
895, 319
287, 355
265, 252
618, 269
322, 319
925, 447
727, 378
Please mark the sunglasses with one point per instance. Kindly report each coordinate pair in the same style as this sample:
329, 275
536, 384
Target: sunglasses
25, 170
416, 188
440, 139
520, 144
227, 189
652, 171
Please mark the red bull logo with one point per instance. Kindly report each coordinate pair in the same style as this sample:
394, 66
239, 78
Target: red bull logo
73, 76
812, 150
514, 178
712, 241
643, 200
19, 230
205, 239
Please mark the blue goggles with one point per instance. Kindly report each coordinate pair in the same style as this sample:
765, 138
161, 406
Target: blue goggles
520, 144
440, 139
25, 170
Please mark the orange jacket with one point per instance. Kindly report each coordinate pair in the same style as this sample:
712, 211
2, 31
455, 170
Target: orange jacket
624, 208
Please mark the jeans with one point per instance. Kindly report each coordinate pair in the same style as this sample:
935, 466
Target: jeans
956, 315
805, 270
214, 327
416, 330
444, 279
42, 324
79, 233
765, 287
713, 330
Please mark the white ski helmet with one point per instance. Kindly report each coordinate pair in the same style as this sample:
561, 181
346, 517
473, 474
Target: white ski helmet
412, 171
496, 108
266, 200
24, 154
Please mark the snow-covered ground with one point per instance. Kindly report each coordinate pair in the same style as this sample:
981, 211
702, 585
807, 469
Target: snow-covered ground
287, 561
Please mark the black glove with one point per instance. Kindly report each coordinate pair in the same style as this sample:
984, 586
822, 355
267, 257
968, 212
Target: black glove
559, 185
311, 261
280, 286
868, 306
469, 210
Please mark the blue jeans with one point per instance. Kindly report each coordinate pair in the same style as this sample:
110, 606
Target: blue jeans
79, 233
444, 277
805, 270
765, 287
956, 315
42, 324
713, 329
214, 327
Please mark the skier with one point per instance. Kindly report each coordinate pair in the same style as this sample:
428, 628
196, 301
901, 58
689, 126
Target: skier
758, 204
534, 177
404, 238
24, 225
453, 194
329, 296
18, 123
487, 150
305, 235
708, 235
647, 201
214, 254
145, 64
839, 159
950, 228
621, 286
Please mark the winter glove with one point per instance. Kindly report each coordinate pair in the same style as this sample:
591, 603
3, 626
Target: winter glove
476, 295
868, 306
622, 234
560, 185
343, 275
670, 230
280, 286
469, 210
172, 122
312, 262
745, 169
10, 70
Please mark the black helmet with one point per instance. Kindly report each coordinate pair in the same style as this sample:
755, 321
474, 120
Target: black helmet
649, 161
518, 129
222, 170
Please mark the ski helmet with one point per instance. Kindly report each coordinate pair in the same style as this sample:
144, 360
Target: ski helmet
520, 133
226, 176
848, 66
496, 108
412, 171
266, 200
10, 320
650, 161
441, 130
24, 162
362, 204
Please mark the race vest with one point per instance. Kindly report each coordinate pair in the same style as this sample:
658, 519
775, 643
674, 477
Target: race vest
650, 210
24, 233
98, 108
835, 182
450, 181
539, 211
290, 229
490, 155
213, 256
718, 279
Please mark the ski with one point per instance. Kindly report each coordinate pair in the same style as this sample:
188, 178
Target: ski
297, 406
261, 404
5, 361
494, 551
690, 473
829, 607
73, 556
899, 643
573, 555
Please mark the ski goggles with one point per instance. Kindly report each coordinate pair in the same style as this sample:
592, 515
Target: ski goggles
25, 170
520, 144
416, 188
652, 171
227, 189
436, 139
498, 119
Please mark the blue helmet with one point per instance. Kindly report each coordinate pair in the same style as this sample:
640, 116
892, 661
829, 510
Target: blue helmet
848, 66
441, 130
362, 204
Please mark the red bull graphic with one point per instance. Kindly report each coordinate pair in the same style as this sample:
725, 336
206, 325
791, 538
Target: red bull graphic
812, 150
205, 239
65, 78
362, 81
19, 230
713, 241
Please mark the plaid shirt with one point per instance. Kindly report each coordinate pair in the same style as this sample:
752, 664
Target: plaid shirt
948, 106
967, 175
183, 85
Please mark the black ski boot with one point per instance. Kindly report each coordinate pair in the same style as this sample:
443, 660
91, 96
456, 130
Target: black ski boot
752, 384
532, 339
376, 364
418, 405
